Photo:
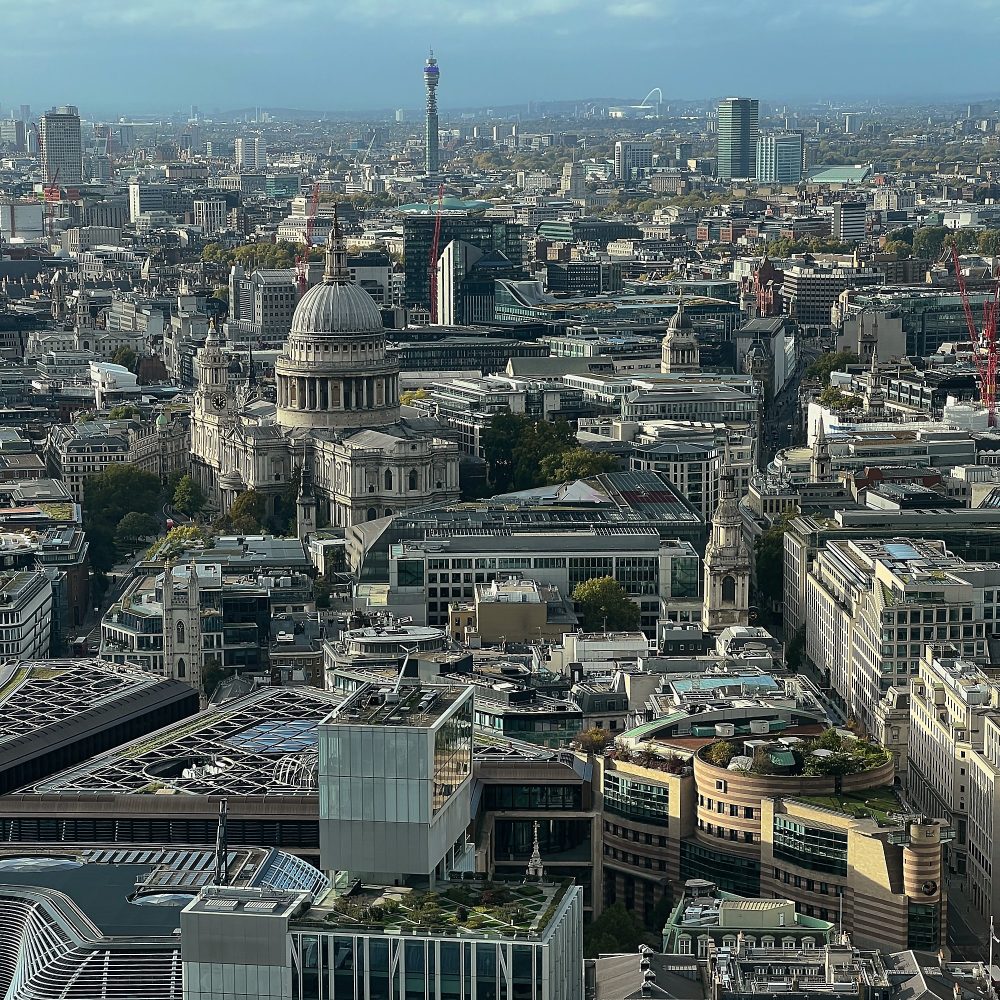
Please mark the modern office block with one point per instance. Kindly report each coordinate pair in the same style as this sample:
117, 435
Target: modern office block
737, 137
395, 782
61, 146
779, 158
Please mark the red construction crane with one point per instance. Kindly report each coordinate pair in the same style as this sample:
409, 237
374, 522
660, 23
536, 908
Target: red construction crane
435, 249
52, 193
984, 342
302, 261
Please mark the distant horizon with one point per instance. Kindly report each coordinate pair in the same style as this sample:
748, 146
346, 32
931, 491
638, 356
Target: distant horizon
833, 104
124, 57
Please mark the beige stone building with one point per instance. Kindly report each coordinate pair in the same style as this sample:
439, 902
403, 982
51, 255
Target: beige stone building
512, 610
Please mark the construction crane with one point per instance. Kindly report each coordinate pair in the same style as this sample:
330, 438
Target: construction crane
302, 261
435, 249
52, 195
984, 341
107, 153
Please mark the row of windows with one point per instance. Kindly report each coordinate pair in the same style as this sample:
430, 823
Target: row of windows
748, 811
712, 829
628, 797
636, 860
810, 885
640, 838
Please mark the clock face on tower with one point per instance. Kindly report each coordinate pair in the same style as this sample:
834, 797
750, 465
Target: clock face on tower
220, 401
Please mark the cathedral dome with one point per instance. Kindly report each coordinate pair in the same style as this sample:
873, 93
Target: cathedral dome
680, 320
336, 305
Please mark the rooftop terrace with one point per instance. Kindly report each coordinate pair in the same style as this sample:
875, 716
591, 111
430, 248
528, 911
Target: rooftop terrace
514, 908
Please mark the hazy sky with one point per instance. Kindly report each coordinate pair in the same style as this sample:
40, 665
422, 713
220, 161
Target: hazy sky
160, 55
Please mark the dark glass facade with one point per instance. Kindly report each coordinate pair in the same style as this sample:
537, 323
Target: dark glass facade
633, 799
418, 239
728, 871
810, 847
569, 797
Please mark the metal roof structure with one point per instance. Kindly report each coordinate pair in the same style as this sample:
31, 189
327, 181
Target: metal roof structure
96, 923
235, 749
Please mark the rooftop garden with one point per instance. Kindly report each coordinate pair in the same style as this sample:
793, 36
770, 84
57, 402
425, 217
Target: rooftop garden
828, 754
180, 540
57, 511
502, 908
869, 803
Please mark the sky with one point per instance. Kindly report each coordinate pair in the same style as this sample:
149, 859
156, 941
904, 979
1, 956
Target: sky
129, 56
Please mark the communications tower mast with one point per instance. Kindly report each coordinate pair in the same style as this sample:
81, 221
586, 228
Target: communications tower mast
431, 78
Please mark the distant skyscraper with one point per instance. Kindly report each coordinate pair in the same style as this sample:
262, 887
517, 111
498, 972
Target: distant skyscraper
849, 221
251, 154
431, 77
25, 113
61, 145
737, 137
631, 157
400, 115
779, 158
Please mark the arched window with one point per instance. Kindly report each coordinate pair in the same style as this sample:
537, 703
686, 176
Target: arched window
181, 668
684, 944
180, 632
767, 942
388, 479
808, 942
388, 512
788, 942
729, 590
703, 944
411, 482
372, 513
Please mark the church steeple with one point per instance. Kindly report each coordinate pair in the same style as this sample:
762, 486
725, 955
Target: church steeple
727, 563
874, 393
305, 505
820, 464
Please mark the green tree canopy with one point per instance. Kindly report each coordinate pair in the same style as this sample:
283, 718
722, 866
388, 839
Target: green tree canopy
795, 650
247, 514
277, 256
125, 357
832, 361
576, 463
188, 496
117, 490
605, 605
135, 526
615, 931
770, 561
900, 248
902, 235
989, 242
928, 241
124, 411
964, 240
516, 445
836, 399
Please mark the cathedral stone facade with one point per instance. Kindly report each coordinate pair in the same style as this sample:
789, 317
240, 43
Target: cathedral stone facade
336, 415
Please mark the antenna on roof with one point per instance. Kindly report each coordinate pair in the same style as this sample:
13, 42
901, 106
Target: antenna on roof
222, 846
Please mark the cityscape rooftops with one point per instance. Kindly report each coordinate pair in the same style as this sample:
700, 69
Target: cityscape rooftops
506, 908
244, 747
404, 704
